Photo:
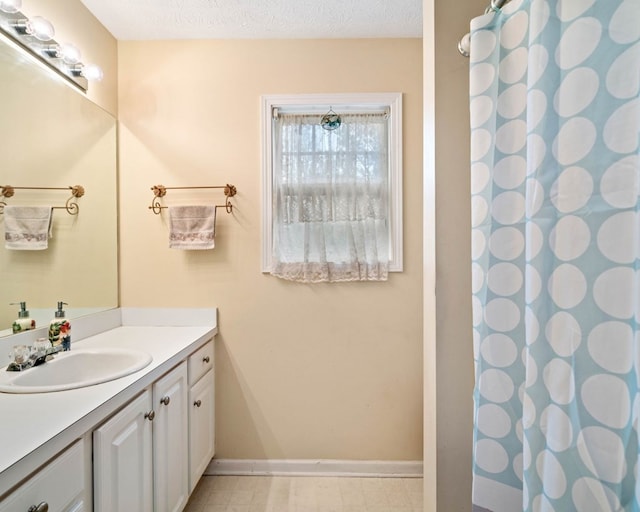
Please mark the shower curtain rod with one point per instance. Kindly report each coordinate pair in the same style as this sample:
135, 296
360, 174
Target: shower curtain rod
464, 45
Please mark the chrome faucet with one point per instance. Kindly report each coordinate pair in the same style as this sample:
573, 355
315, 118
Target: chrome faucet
35, 358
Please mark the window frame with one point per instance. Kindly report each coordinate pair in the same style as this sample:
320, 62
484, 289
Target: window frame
320, 103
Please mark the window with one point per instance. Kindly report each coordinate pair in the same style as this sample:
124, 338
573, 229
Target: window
332, 199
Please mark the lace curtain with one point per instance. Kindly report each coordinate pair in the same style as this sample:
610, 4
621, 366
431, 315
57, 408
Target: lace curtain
331, 206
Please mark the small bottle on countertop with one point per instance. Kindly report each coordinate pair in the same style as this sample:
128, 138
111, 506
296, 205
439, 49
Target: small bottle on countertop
23, 322
59, 329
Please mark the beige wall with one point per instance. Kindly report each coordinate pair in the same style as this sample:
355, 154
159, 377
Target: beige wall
76, 25
450, 370
304, 371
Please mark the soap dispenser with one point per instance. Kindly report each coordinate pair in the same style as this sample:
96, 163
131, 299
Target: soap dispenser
23, 322
59, 329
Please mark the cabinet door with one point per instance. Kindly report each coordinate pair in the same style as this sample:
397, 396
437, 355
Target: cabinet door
122, 450
170, 441
59, 486
201, 427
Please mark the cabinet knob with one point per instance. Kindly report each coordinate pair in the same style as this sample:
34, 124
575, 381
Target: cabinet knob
197, 403
150, 415
165, 400
206, 359
43, 507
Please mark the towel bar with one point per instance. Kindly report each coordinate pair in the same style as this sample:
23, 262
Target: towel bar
161, 191
71, 205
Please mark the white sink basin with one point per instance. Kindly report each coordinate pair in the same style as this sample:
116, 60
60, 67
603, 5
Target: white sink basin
75, 369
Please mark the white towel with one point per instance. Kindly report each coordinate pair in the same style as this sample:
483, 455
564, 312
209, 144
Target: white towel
27, 228
192, 227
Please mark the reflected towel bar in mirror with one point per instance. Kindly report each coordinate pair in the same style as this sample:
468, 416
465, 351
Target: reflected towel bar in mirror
161, 191
71, 205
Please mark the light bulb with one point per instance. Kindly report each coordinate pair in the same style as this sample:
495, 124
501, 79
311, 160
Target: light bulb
92, 72
10, 5
40, 28
68, 53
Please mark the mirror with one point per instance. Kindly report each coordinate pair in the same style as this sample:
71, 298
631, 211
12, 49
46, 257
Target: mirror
51, 135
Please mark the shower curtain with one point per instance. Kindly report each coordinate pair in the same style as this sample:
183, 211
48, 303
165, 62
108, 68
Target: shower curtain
555, 118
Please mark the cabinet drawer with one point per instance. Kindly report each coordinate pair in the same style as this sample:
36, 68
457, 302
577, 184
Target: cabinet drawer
200, 362
60, 484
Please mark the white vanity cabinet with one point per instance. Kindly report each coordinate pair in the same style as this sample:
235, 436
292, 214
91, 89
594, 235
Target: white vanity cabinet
140, 454
149, 456
60, 486
201, 412
123, 444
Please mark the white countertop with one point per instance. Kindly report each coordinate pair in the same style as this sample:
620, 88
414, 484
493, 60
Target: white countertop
34, 427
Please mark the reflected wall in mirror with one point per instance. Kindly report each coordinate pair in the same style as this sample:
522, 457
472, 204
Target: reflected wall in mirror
51, 135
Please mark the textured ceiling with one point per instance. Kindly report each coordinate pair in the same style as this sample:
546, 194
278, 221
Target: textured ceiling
258, 19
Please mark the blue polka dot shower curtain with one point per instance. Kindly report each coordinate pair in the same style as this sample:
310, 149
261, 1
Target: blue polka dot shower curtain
555, 118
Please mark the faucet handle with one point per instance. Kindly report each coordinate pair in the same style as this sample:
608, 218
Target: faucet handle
42, 507
51, 351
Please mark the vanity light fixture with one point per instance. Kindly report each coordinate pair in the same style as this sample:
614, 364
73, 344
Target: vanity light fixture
91, 72
35, 35
36, 27
67, 52
10, 5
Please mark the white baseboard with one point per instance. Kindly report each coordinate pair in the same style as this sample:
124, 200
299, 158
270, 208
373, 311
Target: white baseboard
303, 467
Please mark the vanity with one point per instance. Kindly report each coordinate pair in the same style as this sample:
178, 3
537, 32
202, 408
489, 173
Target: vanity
135, 443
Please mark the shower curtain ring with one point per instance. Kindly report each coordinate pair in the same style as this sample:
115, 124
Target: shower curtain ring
464, 45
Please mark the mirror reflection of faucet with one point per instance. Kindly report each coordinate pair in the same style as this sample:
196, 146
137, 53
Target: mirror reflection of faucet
24, 356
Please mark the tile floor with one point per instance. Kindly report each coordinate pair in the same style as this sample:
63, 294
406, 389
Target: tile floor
305, 494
